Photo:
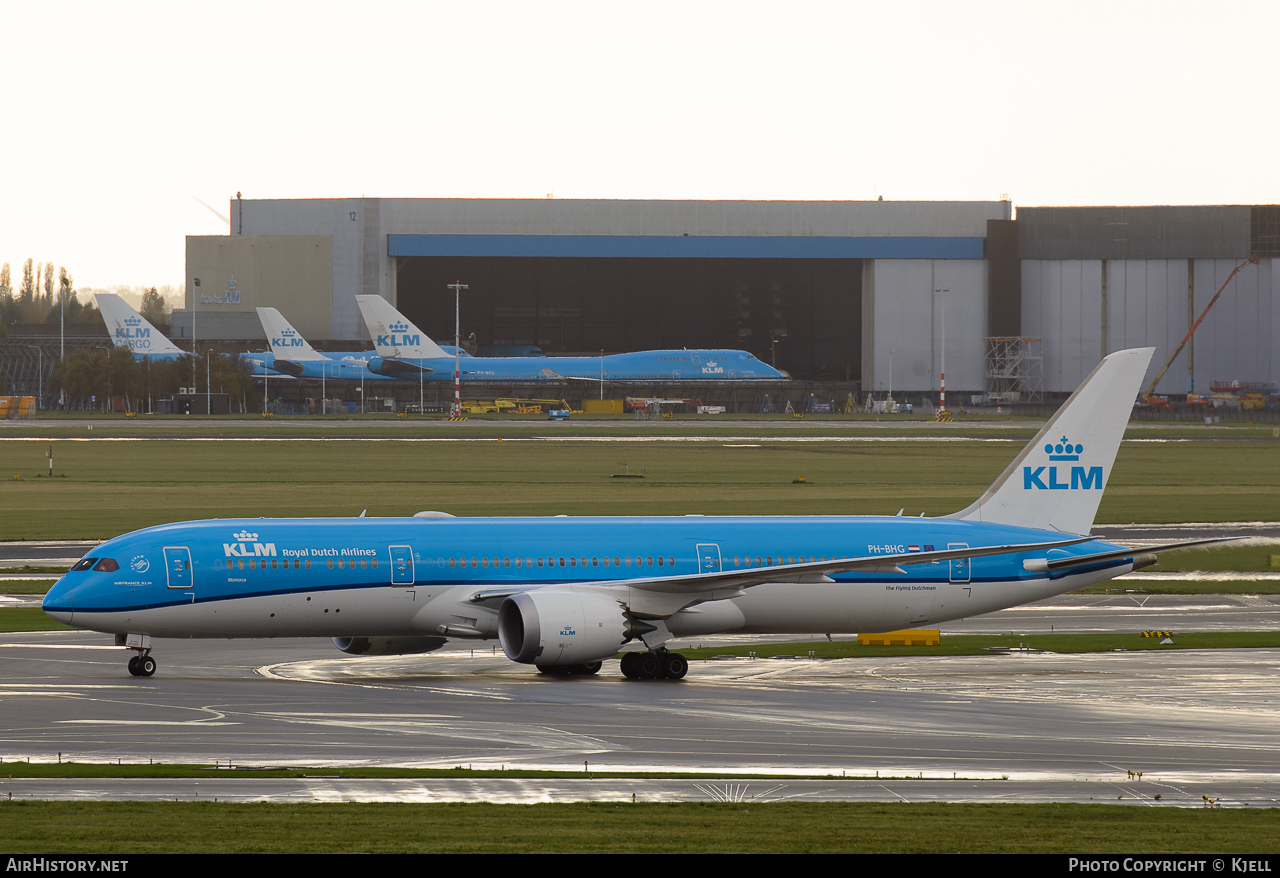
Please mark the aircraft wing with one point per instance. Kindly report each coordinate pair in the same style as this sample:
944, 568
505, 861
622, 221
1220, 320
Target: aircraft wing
809, 571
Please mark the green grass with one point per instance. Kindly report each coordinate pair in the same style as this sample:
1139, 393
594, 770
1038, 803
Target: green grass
623, 827
28, 619
114, 487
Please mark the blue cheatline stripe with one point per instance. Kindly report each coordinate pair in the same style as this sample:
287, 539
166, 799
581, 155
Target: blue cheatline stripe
698, 247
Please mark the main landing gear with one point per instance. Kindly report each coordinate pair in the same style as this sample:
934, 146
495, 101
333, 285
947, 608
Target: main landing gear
654, 665
142, 665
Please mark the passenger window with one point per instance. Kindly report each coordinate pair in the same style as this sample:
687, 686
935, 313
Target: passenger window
573, 562
240, 563
330, 563
275, 565
659, 560
649, 560
308, 565
364, 562
561, 562
595, 562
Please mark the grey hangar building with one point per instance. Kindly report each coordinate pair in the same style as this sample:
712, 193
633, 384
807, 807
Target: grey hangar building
862, 293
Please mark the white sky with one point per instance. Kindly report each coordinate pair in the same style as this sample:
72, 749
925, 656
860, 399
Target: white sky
119, 115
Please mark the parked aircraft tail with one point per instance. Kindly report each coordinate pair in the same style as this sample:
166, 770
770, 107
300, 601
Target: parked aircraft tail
286, 342
1057, 481
393, 335
129, 329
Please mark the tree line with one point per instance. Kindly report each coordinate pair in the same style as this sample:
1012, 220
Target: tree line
35, 299
90, 376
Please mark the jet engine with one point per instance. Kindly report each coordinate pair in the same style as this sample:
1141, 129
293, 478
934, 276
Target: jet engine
561, 627
388, 645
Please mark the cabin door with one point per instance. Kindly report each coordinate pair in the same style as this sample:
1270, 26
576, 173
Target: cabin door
177, 564
708, 558
959, 566
401, 565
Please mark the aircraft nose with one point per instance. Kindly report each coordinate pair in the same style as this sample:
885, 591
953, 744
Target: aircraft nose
58, 603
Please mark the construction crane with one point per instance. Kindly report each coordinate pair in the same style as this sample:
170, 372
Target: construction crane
1151, 391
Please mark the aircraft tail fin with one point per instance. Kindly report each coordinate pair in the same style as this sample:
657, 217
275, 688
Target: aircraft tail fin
1056, 482
286, 342
129, 329
393, 335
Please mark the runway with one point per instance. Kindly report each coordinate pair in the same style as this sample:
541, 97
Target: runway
998, 728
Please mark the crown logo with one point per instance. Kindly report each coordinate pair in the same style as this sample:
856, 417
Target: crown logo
1064, 450
399, 327
245, 536
288, 332
133, 321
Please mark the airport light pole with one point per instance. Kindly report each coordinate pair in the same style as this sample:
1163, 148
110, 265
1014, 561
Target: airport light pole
942, 397
457, 287
208, 391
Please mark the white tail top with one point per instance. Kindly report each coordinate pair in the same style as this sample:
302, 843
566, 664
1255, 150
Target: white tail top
1057, 481
129, 329
393, 335
286, 342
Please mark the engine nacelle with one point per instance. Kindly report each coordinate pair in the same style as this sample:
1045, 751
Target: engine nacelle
388, 645
560, 627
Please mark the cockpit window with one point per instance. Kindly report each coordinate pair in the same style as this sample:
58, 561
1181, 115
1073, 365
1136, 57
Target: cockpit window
107, 565
85, 564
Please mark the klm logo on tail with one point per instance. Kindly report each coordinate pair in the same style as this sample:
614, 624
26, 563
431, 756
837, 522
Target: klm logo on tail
134, 334
1046, 478
399, 337
288, 339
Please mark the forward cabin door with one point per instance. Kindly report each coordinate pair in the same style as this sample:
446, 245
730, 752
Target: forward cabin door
177, 565
401, 565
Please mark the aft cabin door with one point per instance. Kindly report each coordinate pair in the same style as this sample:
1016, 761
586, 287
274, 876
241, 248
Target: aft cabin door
959, 566
177, 563
708, 558
401, 565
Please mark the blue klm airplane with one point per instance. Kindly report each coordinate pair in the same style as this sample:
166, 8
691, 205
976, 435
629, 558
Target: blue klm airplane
404, 351
566, 593
292, 355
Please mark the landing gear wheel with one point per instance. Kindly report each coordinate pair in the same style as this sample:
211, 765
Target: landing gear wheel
588, 668
553, 670
146, 666
674, 666
133, 665
647, 666
629, 665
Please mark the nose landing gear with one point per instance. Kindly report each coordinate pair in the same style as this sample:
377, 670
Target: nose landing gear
142, 666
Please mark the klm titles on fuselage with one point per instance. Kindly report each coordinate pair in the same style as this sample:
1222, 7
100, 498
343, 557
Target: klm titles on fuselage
1082, 478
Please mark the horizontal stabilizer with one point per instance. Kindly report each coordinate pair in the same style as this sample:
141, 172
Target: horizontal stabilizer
1051, 565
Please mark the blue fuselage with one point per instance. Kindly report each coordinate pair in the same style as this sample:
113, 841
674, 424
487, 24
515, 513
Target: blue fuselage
367, 576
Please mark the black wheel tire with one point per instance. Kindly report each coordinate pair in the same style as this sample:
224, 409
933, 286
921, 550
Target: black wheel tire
133, 665
647, 666
674, 666
629, 665
590, 668
146, 666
